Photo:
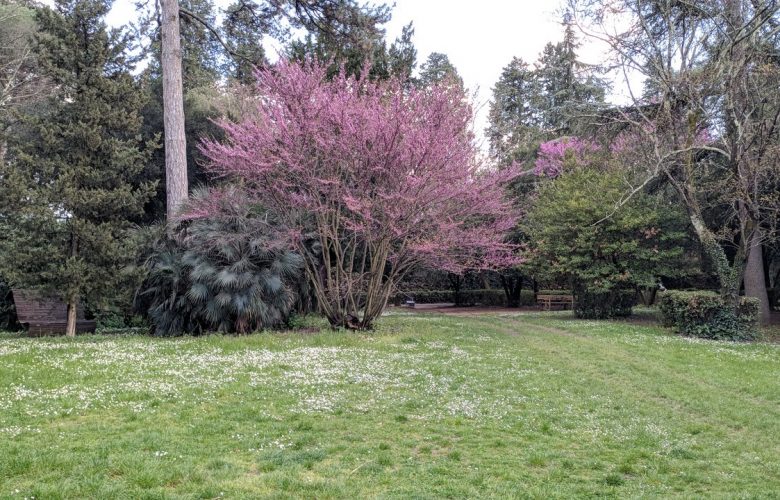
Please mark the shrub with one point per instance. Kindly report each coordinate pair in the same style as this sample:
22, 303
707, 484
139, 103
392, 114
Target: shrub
486, 298
706, 315
220, 273
614, 303
331, 158
578, 237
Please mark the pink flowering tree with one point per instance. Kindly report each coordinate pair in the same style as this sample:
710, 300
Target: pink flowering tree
553, 154
370, 179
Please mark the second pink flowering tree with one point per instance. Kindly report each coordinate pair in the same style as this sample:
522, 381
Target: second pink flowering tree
370, 179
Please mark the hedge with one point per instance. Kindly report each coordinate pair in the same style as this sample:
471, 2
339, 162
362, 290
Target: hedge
706, 315
616, 303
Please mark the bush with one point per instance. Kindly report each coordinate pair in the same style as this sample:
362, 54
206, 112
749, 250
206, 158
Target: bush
486, 298
615, 303
604, 255
221, 273
115, 319
706, 315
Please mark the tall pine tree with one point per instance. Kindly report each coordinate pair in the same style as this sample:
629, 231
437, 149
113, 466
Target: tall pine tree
514, 116
75, 176
568, 88
549, 100
438, 68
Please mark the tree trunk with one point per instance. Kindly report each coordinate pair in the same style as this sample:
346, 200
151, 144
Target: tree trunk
456, 283
513, 288
729, 276
755, 281
70, 326
73, 297
173, 109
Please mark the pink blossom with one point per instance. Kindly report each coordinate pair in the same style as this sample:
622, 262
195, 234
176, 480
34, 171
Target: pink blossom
549, 162
362, 164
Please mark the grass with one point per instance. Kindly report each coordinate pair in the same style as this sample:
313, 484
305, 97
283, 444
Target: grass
534, 405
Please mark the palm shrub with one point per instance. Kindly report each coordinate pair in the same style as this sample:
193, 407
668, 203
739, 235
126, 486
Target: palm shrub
224, 272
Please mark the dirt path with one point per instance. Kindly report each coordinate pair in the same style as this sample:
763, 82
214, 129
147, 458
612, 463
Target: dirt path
465, 311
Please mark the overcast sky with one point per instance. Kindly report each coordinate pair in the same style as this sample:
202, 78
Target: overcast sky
479, 36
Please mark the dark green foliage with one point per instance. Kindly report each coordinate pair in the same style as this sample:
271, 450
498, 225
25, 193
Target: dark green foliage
243, 33
402, 55
567, 87
515, 122
603, 252
438, 69
550, 99
73, 182
348, 36
613, 303
220, 273
707, 315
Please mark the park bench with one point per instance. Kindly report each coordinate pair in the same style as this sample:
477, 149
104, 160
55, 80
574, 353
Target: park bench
555, 302
41, 314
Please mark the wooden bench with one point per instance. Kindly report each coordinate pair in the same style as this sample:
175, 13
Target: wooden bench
44, 315
555, 302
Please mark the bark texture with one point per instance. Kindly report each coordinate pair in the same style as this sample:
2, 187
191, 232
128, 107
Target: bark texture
173, 109
70, 326
755, 278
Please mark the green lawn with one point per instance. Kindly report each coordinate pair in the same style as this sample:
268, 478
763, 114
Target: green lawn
535, 405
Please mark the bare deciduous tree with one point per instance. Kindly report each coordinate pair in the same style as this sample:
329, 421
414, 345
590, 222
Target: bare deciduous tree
707, 119
20, 82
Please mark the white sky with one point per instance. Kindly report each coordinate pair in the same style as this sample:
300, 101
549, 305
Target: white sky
480, 37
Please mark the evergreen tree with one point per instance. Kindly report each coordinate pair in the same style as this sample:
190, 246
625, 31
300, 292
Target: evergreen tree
201, 53
402, 55
436, 69
75, 177
243, 34
350, 37
568, 88
550, 100
515, 118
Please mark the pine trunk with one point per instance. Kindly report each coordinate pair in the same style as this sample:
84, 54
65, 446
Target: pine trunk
70, 326
173, 109
755, 278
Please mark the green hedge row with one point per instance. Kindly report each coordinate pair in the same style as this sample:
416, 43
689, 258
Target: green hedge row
493, 297
613, 304
706, 315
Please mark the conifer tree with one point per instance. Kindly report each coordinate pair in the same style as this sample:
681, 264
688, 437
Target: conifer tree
568, 88
76, 174
438, 68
